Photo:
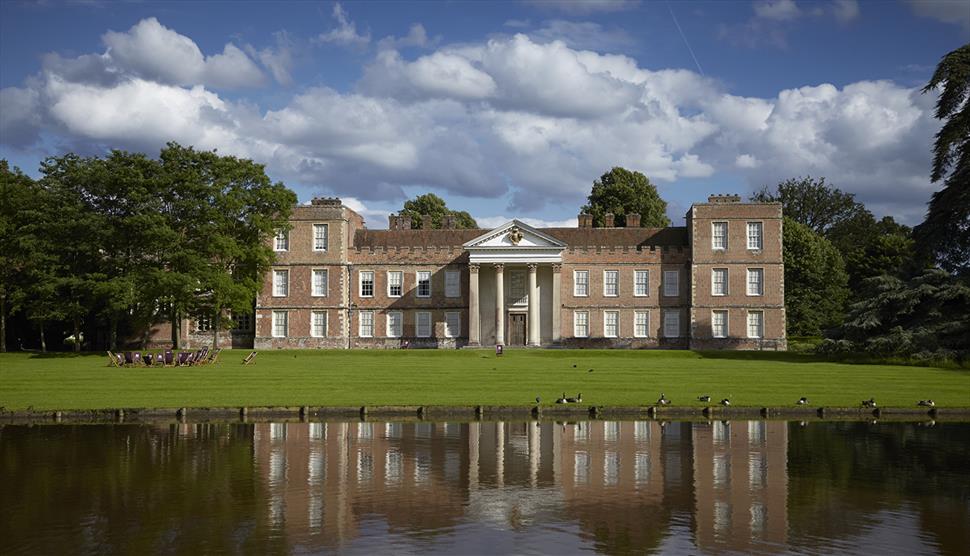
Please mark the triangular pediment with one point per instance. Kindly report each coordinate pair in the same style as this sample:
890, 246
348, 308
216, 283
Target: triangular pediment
512, 235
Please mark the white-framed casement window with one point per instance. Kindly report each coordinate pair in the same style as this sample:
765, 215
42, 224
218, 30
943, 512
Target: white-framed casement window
452, 283
755, 238
395, 324
321, 236
424, 283
611, 324
671, 283
320, 283
395, 283
280, 323
611, 283
756, 281
756, 324
719, 235
452, 324
581, 324
641, 324
367, 283
719, 281
422, 324
365, 324
318, 324
719, 324
282, 241
580, 283
641, 283
281, 283
672, 324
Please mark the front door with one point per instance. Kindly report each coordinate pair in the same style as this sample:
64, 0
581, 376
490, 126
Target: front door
516, 329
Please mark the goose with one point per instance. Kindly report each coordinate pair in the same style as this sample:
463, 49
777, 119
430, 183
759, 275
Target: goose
663, 400
802, 400
577, 399
538, 400
725, 401
927, 403
871, 402
589, 371
562, 399
703, 398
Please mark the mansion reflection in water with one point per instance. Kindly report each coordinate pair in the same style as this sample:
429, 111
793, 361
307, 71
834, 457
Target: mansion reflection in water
623, 483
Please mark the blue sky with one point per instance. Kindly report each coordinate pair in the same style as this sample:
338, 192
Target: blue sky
503, 108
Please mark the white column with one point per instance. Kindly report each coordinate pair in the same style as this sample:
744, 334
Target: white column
474, 322
556, 302
533, 307
499, 304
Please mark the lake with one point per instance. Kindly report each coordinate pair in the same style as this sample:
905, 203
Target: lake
751, 487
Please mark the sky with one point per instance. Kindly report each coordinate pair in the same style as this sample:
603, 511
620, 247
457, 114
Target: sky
505, 109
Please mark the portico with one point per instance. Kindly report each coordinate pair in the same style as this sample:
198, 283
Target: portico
514, 287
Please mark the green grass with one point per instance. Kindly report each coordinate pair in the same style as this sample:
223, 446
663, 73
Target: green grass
471, 377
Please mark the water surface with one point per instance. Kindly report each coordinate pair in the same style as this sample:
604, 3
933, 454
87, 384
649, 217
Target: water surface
751, 487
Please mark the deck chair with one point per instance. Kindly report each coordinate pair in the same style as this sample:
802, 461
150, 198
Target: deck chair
183, 358
136, 359
249, 358
169, 358
115, 360
148, 358
214, 356
201, 356
129, 359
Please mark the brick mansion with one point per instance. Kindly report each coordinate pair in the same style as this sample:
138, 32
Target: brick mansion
716, 283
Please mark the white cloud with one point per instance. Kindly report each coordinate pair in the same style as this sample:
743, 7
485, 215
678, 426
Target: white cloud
746, 161
345, 33
417, 37
773, 18
583, 35
845, 10
582, 7
277, 59
947, 11
488, 222
779, 10
232, 69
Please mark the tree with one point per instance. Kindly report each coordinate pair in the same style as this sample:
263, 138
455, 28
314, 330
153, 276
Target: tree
434, 206
815, 281
873, 248
18, 247
945, 234
620, 192
813, 203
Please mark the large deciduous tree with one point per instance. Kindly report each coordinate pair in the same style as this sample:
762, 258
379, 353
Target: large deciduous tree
945, 234
434, 206
620, 192
19, 256
815, 281
812, 202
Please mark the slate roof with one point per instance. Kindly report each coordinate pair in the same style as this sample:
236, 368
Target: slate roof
575, 237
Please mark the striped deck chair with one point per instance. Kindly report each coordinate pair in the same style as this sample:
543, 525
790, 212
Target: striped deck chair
115, 360
169, 358
249, 358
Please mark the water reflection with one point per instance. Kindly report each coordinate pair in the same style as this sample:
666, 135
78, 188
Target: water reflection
611, 487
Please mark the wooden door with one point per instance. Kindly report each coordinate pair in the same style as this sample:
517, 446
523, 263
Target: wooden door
517, 329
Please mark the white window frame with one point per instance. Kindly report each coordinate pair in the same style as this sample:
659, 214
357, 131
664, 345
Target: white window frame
361, 275
576, 283
667, 283
760, 236
314, 332
391, 333
760, 272
326, 237
761, 324
313, 282
666, 323
449, 333
726, 290
452, 285
727, 319
636, 283
417, 324
646, 325
417, 288
281, 284
585, 333
282, 237
365, 329
606, 316
279, 316
715, 236
390, 282
606, 282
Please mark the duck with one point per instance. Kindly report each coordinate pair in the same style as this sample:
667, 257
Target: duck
725, 401
589, 371
926, 403
663, 400
562, 399
871, 402
802, 400
538, 400
577, 399
703, 398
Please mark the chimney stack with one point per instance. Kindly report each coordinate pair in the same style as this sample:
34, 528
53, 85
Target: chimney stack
608, 220
404, 222
633, 220
721, 198
425, 221
585, 220
449, 223
392, 222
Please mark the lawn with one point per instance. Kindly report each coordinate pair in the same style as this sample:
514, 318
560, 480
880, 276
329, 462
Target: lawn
471, 377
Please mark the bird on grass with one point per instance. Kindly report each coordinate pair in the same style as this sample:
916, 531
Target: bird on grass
663, 400
574, 365
577, 399
871, 402
725, 401
802, 400
589, 371
538, 400
703, 398
926, 403
562, 399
